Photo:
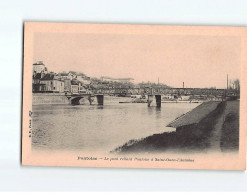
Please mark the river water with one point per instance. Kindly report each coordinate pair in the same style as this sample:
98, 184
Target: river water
100, 128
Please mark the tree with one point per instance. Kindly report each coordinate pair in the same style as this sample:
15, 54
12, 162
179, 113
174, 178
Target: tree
236, 86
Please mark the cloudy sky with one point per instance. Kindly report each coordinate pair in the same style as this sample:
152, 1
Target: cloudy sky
198, 61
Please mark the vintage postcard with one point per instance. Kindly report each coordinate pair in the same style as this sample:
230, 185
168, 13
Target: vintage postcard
134, 96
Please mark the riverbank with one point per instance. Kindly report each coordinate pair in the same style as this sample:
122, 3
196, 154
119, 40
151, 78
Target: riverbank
230, 138
200, 130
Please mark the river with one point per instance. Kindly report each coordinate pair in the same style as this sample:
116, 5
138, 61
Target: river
99, 128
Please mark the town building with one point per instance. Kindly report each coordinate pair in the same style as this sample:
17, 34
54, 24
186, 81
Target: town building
64, 75
74, 87
184, 98
82, 89
36, 82
67, 85
50, 83
83, 78
72, 75
39, 67
36, 78
168, 97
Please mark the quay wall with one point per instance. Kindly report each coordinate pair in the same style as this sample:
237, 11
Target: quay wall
49, 98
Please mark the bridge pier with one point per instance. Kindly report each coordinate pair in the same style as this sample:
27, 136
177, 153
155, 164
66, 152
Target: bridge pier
150, 99
100, 99
90, 99
157, 99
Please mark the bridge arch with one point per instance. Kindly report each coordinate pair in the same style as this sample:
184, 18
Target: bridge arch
76, 100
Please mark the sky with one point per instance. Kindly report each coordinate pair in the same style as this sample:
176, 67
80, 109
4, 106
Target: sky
198, 61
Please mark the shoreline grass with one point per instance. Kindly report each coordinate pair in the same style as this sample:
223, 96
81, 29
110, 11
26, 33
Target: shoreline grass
192, 137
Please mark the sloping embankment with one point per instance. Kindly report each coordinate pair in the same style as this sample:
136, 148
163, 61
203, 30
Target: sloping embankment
195, 115
193, 132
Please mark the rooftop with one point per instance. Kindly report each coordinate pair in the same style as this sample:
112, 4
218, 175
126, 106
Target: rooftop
74, 82
39, 63
73, 72
64, 74
48, 77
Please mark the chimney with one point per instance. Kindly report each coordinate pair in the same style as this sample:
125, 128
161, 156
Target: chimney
227, 82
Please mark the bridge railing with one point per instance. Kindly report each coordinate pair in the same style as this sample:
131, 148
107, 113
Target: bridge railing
178, 91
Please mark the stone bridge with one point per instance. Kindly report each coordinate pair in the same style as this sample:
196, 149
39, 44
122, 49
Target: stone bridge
152, 93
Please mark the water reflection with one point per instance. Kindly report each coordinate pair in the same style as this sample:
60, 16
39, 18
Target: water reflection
99, 128
100, 107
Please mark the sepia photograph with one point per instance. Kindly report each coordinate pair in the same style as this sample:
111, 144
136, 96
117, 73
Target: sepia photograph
141, 96
123, 96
